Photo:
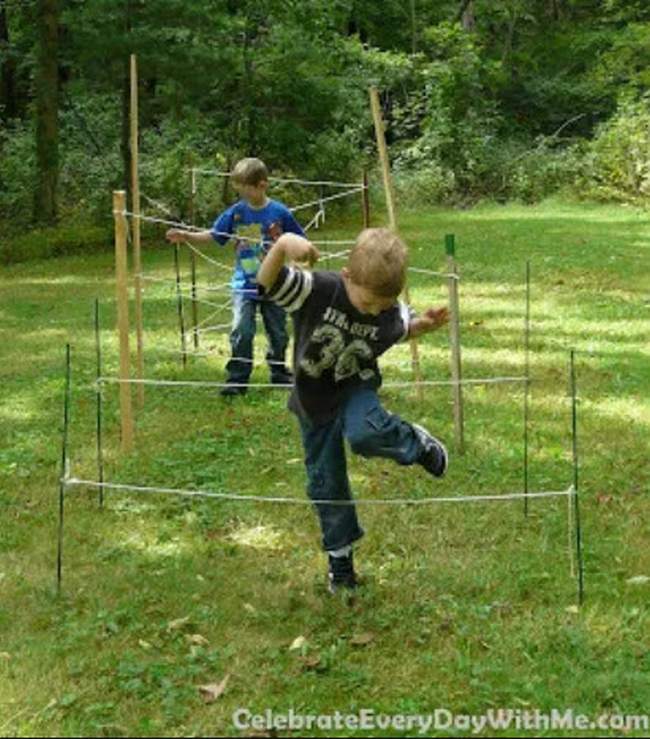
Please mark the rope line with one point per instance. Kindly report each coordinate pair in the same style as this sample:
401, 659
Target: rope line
286, 181
73, 481
320, 201
210, 383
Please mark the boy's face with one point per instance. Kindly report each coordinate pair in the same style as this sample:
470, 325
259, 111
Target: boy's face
364, 299
255, 195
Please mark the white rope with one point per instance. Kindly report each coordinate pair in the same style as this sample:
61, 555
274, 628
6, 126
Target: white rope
73, 481
197, 251
157, 204
189, 383
210, 383
473, 381
315, 221
212, 329
447, 275
320, 201
285, 181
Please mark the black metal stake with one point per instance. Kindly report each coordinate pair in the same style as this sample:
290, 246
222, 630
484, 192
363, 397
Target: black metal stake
526, 385
98, 397
179, 300
64, 468
576, 506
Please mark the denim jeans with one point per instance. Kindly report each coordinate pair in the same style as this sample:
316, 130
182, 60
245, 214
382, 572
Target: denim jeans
371, 431
242, 334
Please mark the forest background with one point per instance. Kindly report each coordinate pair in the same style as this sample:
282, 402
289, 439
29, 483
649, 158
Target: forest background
501, 99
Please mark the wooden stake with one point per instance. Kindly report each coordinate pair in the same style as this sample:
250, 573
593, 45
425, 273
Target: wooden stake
135, 207
365, 201
392, 217
454, 340
122, 289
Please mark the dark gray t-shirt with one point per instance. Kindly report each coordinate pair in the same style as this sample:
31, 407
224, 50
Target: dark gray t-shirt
335, 346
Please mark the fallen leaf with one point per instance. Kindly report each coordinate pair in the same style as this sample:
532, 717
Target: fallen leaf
197, 639
248, 607
572, 609
296, 460
144, 644
5, 656
212, 691
311, 662
362, 640
603, 499
298, 643
178, 623
638, 580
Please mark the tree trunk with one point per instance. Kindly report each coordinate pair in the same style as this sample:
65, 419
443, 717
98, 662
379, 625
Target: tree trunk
8, 105
47, 109
466, 15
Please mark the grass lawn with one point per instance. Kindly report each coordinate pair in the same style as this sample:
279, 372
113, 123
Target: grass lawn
465, 607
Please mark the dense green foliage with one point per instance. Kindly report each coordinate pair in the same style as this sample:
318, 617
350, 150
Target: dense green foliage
512, 99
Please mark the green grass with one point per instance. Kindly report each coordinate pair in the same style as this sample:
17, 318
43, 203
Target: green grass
465, 607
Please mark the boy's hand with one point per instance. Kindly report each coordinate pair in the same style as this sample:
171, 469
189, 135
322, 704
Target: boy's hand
175, 235
433, 318
297, 249
430, 320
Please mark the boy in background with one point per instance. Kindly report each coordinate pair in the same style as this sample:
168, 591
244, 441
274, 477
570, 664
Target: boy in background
342, 323
254, 223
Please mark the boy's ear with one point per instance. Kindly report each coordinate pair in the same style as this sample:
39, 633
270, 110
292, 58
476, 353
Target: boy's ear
263, 184
345, 272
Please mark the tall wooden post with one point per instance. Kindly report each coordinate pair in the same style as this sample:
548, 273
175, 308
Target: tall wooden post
454, 340
392, 216
122, 294
135, 207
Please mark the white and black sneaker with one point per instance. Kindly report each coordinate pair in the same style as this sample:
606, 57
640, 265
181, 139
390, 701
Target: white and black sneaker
341, 575
434, 456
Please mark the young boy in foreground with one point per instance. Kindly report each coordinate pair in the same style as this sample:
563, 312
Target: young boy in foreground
342, 323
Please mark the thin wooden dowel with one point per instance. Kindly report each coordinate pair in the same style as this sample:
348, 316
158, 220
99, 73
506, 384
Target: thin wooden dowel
365, 201
122, 295
527, 386
179, 304
392, 218
135, 207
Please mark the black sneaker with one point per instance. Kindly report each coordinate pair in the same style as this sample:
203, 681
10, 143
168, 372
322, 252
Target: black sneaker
341, 574
433, 457
232, 391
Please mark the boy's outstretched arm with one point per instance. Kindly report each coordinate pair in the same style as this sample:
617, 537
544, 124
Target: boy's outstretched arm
177, 235
429, 321
289, 247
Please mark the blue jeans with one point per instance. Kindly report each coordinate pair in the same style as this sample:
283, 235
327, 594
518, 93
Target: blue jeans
371, 431
244, 309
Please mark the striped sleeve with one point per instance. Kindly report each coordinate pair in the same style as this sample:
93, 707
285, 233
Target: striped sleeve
291, 289
406, 314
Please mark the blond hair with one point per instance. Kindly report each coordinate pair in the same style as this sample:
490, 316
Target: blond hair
249, 171
378, 262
